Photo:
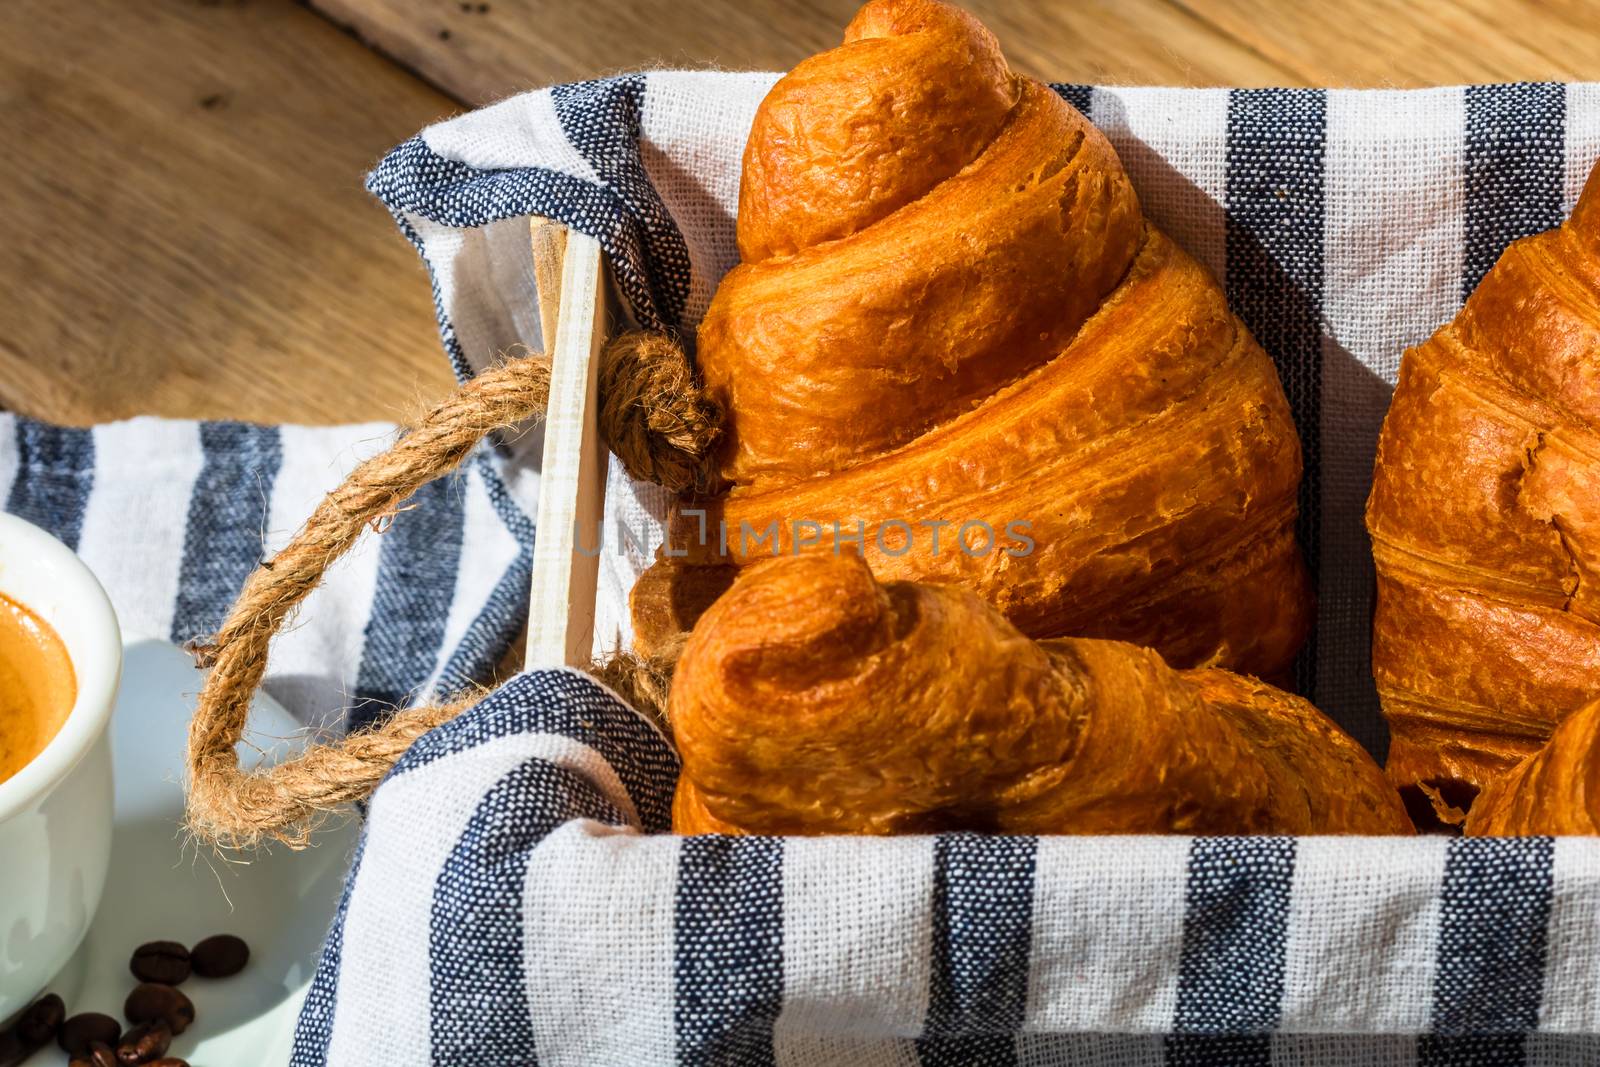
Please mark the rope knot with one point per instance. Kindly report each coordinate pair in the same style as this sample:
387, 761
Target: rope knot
655, 416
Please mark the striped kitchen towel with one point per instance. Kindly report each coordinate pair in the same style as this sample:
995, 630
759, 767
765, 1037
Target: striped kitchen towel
513, 900
172, 516
517, 900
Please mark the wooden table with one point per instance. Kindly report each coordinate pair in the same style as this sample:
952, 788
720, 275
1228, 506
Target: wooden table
188, 231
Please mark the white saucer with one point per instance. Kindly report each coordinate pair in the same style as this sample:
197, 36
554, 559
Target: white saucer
164, 887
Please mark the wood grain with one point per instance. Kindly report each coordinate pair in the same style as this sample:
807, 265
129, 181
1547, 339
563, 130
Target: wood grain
1385, 43
482, 51
481, 55
572, 480
188, 233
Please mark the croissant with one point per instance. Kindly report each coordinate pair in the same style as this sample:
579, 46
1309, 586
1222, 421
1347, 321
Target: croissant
1554, 791
955, 343
1485, 519
810, 699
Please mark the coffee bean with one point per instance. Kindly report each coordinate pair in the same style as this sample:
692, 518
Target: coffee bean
152, 1001
145, 1042
98, 1054
168, 1061
166, 962
39, 1022
13, 1050
84, 1029
220, 956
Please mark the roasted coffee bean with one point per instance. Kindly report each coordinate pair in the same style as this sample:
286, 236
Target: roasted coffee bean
145, 1042
168, 1061
99, 1054
39, 1022
150, 1000
12, 1050
84, 1029
220, 956
166, 962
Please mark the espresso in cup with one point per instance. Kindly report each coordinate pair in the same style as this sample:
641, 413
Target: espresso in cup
60, 657
37, 686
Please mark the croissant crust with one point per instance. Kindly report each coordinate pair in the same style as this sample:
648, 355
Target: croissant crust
1555, 791
811, 699
952, 321
1485, 517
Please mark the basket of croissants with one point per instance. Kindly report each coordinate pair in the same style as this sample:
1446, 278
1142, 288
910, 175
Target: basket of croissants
951, 317
1003, 518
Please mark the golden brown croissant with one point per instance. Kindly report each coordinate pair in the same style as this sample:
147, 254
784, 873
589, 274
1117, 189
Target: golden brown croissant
1554, 791
950, 310
1485, 518
810, 699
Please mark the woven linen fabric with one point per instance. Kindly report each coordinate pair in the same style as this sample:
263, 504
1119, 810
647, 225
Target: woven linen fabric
172, 516
516, 900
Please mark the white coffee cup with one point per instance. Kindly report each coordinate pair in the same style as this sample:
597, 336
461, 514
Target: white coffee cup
55, 813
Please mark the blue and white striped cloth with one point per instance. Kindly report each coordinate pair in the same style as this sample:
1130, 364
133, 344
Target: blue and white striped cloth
172, 516
513, 900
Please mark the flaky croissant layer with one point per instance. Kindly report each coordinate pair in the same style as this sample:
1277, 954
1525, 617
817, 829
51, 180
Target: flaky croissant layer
811, 699
1555, 791
952, 313
1485, 517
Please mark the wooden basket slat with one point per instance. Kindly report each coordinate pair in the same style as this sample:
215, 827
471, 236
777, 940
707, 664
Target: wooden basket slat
566, 561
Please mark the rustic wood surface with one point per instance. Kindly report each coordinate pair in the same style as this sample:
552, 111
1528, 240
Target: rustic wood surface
482, 51
187, 232
189, 235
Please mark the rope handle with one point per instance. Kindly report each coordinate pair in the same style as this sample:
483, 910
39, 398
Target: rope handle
656, 419
233, 807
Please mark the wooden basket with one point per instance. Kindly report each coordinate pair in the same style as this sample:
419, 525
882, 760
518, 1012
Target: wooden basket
575, 315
